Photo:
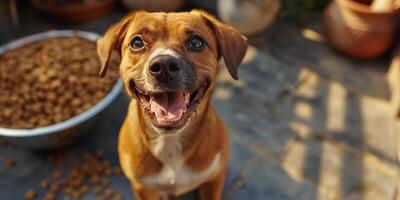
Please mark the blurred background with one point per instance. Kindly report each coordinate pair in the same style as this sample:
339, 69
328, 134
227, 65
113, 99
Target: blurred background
314, 116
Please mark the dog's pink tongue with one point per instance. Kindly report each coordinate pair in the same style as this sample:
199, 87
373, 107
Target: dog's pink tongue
168, 106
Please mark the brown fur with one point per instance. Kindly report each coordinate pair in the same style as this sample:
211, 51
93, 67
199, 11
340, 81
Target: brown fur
205, 133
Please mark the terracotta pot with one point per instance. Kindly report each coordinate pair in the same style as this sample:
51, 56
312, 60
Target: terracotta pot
354, 29
76, 12
154, 5
394, 86
394, 83
250, 17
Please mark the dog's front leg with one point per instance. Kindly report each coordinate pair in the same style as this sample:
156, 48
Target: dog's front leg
142, 193
212, 190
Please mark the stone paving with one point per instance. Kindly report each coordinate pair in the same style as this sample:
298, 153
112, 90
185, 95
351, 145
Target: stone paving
305, 123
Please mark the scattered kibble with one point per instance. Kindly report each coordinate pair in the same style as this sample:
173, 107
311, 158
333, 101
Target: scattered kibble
105, 182
99, 198
89, 172
117, 171
97, 189
57, 174
109, 171
45, 184
109, 192
30, 194
95, 179
49, 196
59, 157
75, 195
3, 142
84, 189
100, 153
9, 163
76, 182
118, 197
55, 188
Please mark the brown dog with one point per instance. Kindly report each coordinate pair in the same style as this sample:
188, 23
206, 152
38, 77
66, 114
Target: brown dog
172, 140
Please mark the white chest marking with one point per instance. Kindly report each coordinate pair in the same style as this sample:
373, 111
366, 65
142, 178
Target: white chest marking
175, 178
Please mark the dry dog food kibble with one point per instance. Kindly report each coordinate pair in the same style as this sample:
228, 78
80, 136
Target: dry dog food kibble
30, 194
85, 178
50, 81
45, 184
9, 163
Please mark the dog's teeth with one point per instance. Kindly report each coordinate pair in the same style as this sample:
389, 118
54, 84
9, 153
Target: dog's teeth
187, 97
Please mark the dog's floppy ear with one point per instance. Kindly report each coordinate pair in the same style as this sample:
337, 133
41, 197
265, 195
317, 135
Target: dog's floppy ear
112, 40
232, 45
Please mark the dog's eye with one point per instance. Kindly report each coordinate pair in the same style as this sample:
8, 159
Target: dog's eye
137, 43
196, 43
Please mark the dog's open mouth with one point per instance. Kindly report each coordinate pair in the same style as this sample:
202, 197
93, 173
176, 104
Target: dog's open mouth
170, 110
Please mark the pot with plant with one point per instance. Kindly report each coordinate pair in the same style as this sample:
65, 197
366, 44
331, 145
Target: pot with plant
154, 5
361, 29
250, 17
75, 10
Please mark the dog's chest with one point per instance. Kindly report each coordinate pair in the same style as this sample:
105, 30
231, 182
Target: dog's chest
175, 177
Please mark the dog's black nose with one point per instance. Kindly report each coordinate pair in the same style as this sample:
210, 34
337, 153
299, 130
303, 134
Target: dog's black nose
166, 66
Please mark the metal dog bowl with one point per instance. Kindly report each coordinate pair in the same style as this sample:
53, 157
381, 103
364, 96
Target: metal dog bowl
65, 132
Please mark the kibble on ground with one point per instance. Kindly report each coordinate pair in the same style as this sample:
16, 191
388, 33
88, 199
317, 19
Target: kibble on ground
83, 176
9, 163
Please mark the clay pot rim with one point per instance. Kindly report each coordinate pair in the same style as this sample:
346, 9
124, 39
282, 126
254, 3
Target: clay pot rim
364, 8
72, 7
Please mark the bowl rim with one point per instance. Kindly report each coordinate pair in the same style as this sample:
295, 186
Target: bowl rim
76, 120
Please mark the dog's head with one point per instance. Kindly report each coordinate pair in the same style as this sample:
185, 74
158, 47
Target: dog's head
169, 61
